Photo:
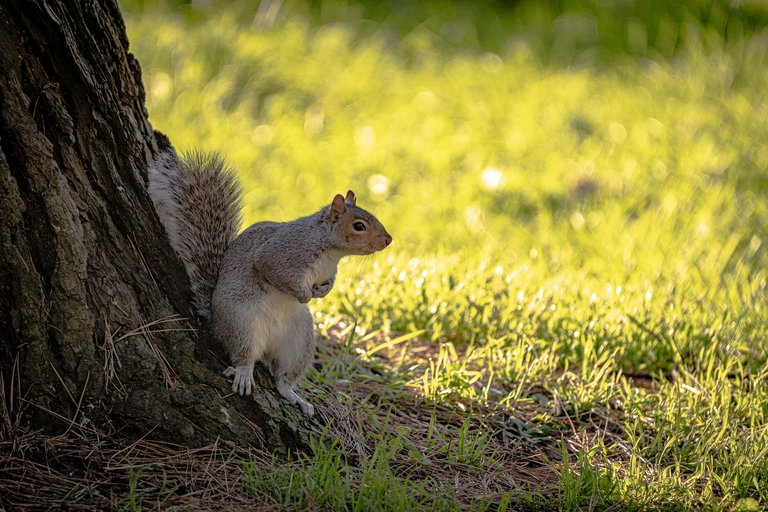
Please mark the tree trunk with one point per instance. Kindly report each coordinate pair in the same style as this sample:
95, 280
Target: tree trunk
93, 301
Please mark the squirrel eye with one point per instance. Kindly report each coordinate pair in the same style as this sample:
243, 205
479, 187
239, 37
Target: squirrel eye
359, 226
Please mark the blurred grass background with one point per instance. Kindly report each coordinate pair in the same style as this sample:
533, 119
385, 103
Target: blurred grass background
618, 144
532, 128
576, 189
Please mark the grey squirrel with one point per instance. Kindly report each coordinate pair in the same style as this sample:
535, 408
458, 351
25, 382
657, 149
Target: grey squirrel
255, 286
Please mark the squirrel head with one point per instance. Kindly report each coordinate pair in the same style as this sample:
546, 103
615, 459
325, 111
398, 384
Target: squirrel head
354, 230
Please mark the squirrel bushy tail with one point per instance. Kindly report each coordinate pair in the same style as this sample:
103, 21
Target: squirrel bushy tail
198, 199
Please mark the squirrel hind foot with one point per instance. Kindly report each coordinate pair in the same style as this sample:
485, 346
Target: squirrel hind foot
242, 379
289, 394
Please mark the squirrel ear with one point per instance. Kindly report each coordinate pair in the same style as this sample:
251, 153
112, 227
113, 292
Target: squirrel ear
337, 207
350, 199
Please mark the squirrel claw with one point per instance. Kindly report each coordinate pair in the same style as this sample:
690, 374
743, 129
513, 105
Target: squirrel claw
307, 408
289, 394
320, 290
242, 382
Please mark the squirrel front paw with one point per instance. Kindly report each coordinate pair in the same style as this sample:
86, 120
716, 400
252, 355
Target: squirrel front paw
304, 294
242, 382
321, 289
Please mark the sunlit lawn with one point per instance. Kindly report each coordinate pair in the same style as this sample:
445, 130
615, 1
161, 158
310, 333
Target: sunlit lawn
579, 266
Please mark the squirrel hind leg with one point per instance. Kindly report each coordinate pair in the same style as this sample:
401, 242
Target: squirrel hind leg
287, 392
241, 337
291, 355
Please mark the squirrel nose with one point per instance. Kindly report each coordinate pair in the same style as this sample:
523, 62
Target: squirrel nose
387, 240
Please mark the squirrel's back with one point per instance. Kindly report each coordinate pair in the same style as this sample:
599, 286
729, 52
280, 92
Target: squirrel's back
198, 199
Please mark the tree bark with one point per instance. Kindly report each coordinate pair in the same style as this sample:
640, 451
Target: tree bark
93, 301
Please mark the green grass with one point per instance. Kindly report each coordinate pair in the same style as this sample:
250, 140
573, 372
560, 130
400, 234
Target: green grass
578, 279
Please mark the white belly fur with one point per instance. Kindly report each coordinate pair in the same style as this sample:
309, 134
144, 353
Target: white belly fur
324, 268
273, 314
